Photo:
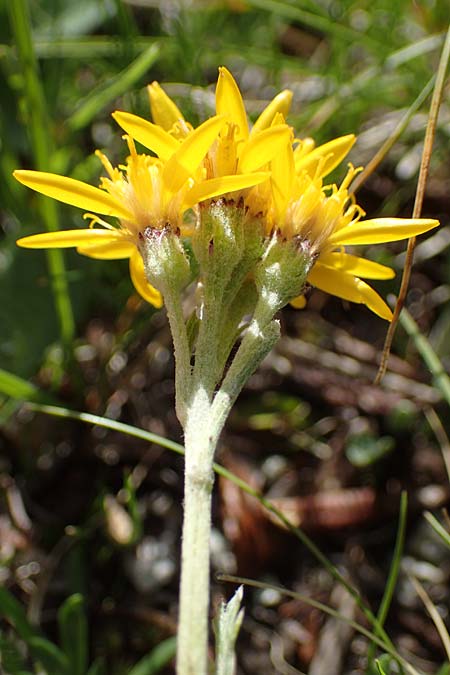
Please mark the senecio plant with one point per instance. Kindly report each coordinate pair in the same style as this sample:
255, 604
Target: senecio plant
245, 217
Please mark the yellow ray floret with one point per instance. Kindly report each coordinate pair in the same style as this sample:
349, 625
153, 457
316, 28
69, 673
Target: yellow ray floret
238, 150
325, 157
352, 264
229, 101
165, 112
381, 230
146, 193
348, 287
71, 238
280, 104
73, 192
326, 218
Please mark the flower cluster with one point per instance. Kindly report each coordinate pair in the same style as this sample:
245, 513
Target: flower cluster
275, 180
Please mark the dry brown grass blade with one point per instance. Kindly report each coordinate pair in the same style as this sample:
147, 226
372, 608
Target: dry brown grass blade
439, 431
434, 614
423, 175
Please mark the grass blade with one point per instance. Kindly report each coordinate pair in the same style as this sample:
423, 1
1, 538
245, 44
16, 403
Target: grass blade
434, 614
327, 610
441, 436
426, 351
74, 633
420, 192
322, 23
157, 659
12, 610
121, 83
49, 656
40, 141
437, 527
12, 660
394, 570
16, 387
393, 138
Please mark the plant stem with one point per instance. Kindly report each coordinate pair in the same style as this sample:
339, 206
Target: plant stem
172, 300
200, 440
204, 423
253, 349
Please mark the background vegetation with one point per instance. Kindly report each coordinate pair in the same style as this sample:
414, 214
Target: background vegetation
90, 516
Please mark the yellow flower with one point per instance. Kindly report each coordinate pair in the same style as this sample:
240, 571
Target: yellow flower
277, 176
147, 192
239, 157
325, 219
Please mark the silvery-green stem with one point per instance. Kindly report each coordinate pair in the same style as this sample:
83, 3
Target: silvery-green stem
204, 423
172, 301
278, 275
200, 441
254, 347
167, 269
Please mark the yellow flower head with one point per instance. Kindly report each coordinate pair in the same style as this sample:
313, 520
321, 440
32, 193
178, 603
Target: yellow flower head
277, 176
146, 193
239, 157
325, 218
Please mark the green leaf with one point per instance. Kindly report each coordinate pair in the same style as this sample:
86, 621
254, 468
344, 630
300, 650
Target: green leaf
12, 610
52, 659
380, 667
157, 659
97, 668
363, 449
226, 628
16, 387
444, 669
73, 633
11, 659
384, 665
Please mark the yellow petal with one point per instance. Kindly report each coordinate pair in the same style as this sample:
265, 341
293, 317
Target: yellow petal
73, 192
223, 185
348, 287
70, 238
283, 176
145, 290
299, 302
263, 147
164, 111
114, 250
280, 104
360, 267
303, 147
190, 152
150, 135
334, 152
381, 230
229, 102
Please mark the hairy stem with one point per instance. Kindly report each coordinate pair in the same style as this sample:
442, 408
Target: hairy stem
200, 440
